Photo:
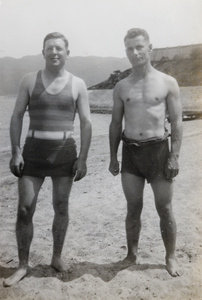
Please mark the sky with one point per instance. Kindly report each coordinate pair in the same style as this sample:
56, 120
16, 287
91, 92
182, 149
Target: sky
96, 27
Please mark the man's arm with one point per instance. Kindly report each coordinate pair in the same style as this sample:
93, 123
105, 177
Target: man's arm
115, 131
175, 116
80, 168
17, 162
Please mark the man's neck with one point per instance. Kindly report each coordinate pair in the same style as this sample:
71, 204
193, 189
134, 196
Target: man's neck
140, 72
54, 72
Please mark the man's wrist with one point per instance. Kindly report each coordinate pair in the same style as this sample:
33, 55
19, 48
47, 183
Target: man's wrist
82, 158
113, 157
16, 150
174, 155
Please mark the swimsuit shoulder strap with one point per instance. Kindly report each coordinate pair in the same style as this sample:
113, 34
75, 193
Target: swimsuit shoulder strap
38, 88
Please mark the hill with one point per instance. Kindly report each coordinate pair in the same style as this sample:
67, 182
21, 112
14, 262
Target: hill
184, 63
91, 69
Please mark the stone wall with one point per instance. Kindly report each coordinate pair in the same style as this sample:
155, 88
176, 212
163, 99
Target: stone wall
170, 52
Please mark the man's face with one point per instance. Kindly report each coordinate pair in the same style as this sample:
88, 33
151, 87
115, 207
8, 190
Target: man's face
55, 52
137, 50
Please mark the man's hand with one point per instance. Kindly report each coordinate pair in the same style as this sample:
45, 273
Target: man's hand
79, 169
172, 167
17, 165
114, 167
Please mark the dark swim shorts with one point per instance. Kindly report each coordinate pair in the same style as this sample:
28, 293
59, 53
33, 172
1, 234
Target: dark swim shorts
53, 158
145, 159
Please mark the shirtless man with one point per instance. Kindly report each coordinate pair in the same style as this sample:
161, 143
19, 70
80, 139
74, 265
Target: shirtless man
144, 99
52, 97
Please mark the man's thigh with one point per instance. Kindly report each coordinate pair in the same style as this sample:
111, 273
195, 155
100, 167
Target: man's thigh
133, 187
29, 188
61, 189
163, 191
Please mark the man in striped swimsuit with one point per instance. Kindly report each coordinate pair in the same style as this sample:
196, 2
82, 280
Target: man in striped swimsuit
52, 97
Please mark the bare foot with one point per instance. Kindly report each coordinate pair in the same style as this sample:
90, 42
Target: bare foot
129, 261
173, 268
58, 264
16, 277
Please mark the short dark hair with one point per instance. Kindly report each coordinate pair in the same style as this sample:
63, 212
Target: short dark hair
55, 35
134, 32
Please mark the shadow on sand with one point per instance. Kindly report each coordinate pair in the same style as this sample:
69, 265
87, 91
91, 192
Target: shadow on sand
106, 272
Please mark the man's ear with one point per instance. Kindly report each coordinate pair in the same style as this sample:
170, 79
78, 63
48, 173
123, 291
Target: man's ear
68, 52
150, 47
43, 53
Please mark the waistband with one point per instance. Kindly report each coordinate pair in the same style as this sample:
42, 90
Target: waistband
148, 142
49, 135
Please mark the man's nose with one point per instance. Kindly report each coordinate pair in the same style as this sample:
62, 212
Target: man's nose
135, 52
54, 50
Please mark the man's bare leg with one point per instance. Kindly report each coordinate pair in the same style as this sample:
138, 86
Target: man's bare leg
28, 192
61, 191
163, 192
133, 187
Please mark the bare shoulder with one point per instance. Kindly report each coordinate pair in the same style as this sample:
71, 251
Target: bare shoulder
30, 77
122, 88
27, 85
170, 81
28, 81
121, 85
172, 90
123, 82
79, 88
118, 92
78, 82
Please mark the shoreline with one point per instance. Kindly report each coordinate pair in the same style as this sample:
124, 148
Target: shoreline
186, 115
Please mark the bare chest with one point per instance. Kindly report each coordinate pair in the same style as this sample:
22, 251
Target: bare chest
148, 94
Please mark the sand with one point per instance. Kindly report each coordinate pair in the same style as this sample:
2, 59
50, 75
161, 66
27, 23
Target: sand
96, 243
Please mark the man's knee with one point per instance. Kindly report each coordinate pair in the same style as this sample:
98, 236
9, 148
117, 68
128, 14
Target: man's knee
134, 210
25, 214
164, 211
61, 207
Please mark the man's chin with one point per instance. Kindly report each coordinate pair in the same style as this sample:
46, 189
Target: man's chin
138, 63
55, 63
54, 60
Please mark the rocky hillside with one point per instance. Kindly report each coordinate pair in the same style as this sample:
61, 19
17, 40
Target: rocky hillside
188, 72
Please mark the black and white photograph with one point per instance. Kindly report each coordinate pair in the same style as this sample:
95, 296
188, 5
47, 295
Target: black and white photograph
101, 149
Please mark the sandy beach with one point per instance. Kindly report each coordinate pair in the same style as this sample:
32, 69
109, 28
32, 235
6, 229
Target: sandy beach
96, 243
